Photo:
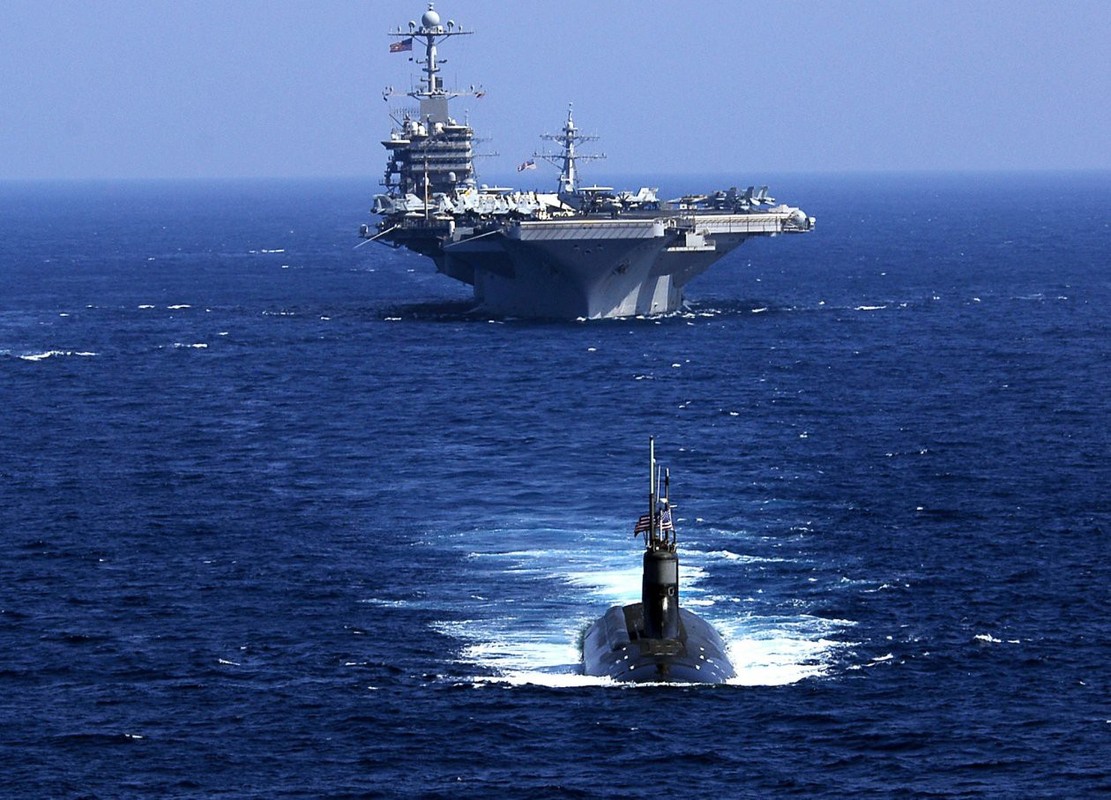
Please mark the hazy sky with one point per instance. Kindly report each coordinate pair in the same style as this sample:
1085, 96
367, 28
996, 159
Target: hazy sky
212, 88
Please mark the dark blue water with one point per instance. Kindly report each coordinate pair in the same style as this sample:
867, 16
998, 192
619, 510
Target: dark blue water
279, 519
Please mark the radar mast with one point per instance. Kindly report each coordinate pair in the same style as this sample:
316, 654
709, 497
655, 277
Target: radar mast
567, 160
432, 96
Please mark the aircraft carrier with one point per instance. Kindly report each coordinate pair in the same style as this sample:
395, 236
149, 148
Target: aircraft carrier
576, 252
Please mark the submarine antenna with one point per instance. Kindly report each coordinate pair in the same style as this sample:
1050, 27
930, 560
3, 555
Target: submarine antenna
651, 490
657, 532
660, 575
667, 506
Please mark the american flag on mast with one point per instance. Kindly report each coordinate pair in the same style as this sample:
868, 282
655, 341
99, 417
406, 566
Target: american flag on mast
644, 525
402, 46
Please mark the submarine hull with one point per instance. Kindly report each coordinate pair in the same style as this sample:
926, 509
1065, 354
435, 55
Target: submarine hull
615, 646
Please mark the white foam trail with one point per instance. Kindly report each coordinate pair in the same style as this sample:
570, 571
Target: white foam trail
989, 639
56, 354
618, 585
743, 559
770, 652
552, 680
536, 642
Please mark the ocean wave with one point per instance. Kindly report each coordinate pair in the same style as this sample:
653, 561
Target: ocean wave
57, 354
728, 555
987, 638
550, 680
778, 651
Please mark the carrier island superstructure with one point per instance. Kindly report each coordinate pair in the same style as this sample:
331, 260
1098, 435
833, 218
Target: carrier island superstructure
577, 252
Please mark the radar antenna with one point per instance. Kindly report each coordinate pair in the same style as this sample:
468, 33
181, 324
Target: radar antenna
431, 94
566, 160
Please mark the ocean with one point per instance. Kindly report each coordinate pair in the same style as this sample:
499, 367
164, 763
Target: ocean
282, 519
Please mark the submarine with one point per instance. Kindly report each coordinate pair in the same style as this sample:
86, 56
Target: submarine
656, 640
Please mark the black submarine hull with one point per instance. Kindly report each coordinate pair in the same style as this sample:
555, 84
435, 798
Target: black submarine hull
615, 647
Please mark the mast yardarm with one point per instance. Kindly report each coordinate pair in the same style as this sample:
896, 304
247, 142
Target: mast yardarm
431, 95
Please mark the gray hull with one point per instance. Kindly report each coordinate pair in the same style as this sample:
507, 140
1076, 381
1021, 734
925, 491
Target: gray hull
612, 648
595, 269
